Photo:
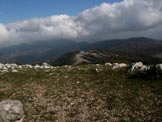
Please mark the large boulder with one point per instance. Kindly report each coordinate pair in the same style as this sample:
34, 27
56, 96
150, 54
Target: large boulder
11, 111
139, 67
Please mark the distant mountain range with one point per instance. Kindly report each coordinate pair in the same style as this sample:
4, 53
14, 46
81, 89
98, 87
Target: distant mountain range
140, 45
51, 50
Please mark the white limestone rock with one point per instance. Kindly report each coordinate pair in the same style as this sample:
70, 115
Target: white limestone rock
139, 67
119, 65
108, 64
36, 66
14, 70
11, 111
159, 66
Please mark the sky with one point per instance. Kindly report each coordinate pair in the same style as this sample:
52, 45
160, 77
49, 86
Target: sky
17, 10
27, 21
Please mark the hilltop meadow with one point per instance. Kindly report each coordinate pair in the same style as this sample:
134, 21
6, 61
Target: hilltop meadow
84, 93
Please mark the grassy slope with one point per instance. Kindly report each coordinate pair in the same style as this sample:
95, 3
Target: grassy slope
80, 94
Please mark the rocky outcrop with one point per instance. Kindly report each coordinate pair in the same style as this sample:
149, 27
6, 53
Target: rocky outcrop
138, 69
11, 111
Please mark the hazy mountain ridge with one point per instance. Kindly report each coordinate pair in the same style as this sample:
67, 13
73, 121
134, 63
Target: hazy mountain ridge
37, 52
101, 57
139, 45
52, 49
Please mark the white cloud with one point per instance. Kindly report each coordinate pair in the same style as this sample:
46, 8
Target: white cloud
118, 20
124, 17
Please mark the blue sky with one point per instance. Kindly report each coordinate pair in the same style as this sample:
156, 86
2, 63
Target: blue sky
17, 10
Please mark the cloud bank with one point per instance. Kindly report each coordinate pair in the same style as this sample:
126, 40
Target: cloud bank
129, 18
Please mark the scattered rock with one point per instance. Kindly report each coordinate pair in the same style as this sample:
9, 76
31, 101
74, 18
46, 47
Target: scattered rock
159, 70
119, 65
97, 70
159, 67
14, 67
11, 111
139, 67
46, 66
15, 70
37, 66
28, 66
108, 64
97, 65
